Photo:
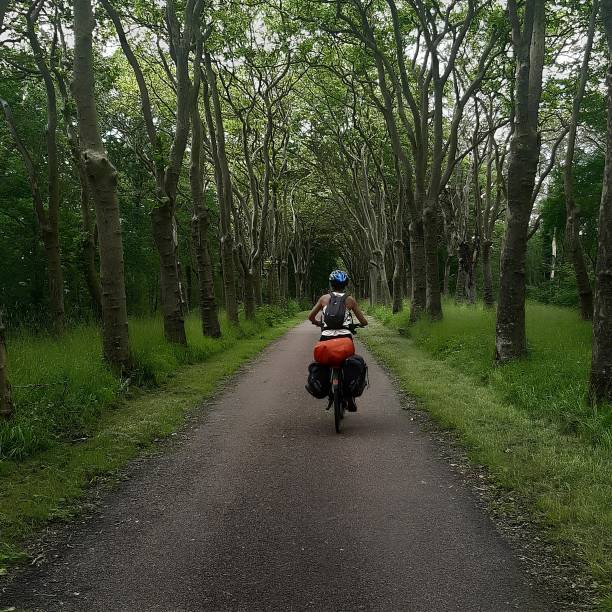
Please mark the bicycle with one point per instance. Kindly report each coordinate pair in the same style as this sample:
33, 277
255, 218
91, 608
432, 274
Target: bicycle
336, 398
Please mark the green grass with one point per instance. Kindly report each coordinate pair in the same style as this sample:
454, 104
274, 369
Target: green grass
61, 386
550, 383
527, 422
50, 483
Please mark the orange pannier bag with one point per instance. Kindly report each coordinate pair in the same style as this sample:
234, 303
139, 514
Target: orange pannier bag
333, 352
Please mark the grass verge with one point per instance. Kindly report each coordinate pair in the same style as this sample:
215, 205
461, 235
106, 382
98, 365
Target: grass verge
564, 479
50, 485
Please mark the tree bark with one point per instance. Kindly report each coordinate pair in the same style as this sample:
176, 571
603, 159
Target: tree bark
399, 269
460, 285
572, 229
223, 180
487, 292
6, 404
88, 242
102, 178
432, 276
164, 231
200, 225
600, 386
417, 260
249, 295
528, 43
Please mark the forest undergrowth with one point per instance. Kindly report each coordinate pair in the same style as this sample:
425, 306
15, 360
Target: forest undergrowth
527, 422
61, 386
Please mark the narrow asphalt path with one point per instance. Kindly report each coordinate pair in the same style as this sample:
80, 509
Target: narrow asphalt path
263, 507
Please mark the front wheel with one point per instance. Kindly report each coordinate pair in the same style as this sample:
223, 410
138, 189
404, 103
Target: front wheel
338, 408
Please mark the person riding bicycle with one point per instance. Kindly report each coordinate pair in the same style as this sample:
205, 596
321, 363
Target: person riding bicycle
338, 280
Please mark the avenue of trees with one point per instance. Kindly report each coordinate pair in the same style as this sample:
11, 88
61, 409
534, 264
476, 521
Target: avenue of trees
206, 155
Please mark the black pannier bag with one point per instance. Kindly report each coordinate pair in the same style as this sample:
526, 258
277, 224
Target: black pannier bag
319, 383
354, 375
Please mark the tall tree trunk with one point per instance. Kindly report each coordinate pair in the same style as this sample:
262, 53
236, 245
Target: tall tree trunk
447, 271
398, 253
460, 286
223, 179
487, 291
88, 242
257, 289
6, 404
432, 277
200, 226
55, 277
417, 260
572, 230
102, 178
528, 41
88, 250
249, 295
164, 237
600, 387
284, 279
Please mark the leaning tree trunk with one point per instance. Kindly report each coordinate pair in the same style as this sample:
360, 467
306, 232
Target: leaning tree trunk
600, 387
510, 340
6, 404
102, 178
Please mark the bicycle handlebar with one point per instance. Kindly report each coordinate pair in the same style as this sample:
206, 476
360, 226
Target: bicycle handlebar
352, 327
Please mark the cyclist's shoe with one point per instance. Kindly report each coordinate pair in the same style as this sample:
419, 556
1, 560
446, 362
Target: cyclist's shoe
351, 406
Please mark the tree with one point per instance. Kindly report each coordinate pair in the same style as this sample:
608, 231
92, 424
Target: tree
166, 165
223, 181
572, 235
528, 35
102, 178
201, 216
600, 386
46, 216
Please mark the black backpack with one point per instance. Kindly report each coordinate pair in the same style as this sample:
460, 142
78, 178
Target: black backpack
319, 380
335, 312
354, 375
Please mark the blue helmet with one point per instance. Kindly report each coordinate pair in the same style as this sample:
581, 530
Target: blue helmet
338, 276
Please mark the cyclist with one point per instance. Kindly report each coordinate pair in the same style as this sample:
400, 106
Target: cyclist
338, 280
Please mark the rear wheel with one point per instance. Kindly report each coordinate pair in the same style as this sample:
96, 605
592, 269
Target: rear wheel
338, 408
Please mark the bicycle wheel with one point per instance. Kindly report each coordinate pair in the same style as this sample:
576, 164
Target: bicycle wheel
338, 408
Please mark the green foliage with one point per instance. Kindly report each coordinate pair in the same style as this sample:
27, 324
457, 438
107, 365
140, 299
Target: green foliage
62, 386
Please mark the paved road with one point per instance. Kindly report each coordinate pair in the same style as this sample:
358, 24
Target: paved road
263, 507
